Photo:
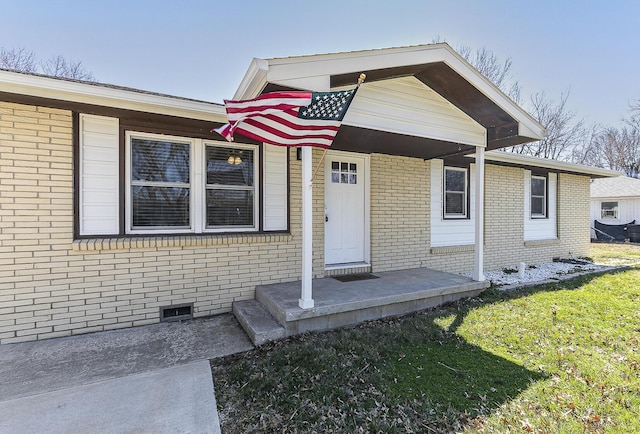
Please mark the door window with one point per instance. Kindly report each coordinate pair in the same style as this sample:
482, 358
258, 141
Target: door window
344, 173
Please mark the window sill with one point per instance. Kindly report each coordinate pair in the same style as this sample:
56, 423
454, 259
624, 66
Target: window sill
444, 250
541, 243
164, 241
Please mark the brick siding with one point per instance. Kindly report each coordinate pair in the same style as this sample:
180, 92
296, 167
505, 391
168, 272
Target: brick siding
52, 285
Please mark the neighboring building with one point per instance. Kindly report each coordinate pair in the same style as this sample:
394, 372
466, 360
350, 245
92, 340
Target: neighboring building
615, 201
118, 206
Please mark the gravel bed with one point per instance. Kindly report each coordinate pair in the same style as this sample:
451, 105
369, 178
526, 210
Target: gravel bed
539, 272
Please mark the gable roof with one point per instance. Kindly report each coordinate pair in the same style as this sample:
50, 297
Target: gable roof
620, 186
436, 66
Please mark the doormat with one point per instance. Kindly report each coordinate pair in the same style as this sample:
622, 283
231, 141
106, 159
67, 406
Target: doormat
355, 277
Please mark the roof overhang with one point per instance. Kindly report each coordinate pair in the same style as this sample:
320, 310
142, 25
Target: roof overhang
437, 66
97, 94
512, 159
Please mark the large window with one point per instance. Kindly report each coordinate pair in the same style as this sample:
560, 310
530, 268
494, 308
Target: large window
538, 197
609, 210
455, 192
160, 184
167, 192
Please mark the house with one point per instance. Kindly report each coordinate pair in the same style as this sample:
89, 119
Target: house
120, 207
615, 201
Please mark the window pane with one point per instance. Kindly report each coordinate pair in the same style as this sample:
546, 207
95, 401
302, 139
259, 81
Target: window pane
156, 161
229, 166
538, 186
229, 207
454, 180
160, 206
609, 210
454, 203
537, 206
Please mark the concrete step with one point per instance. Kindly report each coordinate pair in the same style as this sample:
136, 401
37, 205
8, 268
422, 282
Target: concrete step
257, 322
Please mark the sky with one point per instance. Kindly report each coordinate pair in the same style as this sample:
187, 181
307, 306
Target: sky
202, 49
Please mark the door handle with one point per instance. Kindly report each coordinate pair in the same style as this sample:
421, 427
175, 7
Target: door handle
326, 218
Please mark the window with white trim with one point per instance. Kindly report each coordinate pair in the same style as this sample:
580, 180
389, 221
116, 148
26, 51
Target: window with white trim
455, 192
609, 210
538, 196
181, 185
230, 189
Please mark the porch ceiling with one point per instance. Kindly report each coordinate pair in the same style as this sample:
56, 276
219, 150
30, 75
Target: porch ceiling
356, 139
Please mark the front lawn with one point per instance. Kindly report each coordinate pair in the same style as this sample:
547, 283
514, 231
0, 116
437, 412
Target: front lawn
615, 254
552, 358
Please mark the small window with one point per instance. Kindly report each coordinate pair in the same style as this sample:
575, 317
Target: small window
538, 197
455, 192
609, 210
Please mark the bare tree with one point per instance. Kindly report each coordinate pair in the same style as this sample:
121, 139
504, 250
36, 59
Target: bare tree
564, 132
616, 148
20, 59
499, 72
59, 66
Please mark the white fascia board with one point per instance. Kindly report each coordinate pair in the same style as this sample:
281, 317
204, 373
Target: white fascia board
528, 160
254, 80
281, 70
96, 94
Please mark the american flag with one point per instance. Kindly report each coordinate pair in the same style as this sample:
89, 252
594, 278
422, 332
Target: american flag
288, 118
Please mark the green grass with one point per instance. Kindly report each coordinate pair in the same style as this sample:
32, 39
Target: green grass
554, 358
615, 254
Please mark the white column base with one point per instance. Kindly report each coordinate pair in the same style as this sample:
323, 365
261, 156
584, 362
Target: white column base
306, 304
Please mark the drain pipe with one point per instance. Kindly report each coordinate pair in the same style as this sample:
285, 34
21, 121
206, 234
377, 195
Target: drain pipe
521, 268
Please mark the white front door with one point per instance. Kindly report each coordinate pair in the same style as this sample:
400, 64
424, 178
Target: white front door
345, 208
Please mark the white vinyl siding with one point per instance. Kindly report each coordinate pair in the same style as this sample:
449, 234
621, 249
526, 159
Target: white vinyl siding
446, 232
275, 183
99, 205
407, 106
536, 228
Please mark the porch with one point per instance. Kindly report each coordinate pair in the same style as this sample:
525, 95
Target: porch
275, 313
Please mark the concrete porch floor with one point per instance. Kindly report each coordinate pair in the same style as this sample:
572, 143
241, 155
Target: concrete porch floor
275, 314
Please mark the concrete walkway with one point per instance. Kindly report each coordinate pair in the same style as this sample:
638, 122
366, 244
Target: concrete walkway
146, 379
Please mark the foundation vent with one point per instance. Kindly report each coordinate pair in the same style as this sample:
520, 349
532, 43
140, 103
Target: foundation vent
177, 312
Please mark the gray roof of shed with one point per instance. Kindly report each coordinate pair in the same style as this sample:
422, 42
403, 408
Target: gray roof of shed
621, 186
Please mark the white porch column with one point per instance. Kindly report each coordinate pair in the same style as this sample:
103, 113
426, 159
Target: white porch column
306, 298
478, 268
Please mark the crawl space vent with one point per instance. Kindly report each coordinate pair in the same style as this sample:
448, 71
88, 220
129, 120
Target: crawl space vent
177, 312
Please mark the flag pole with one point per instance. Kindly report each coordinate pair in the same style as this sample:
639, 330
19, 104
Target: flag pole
361, 79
